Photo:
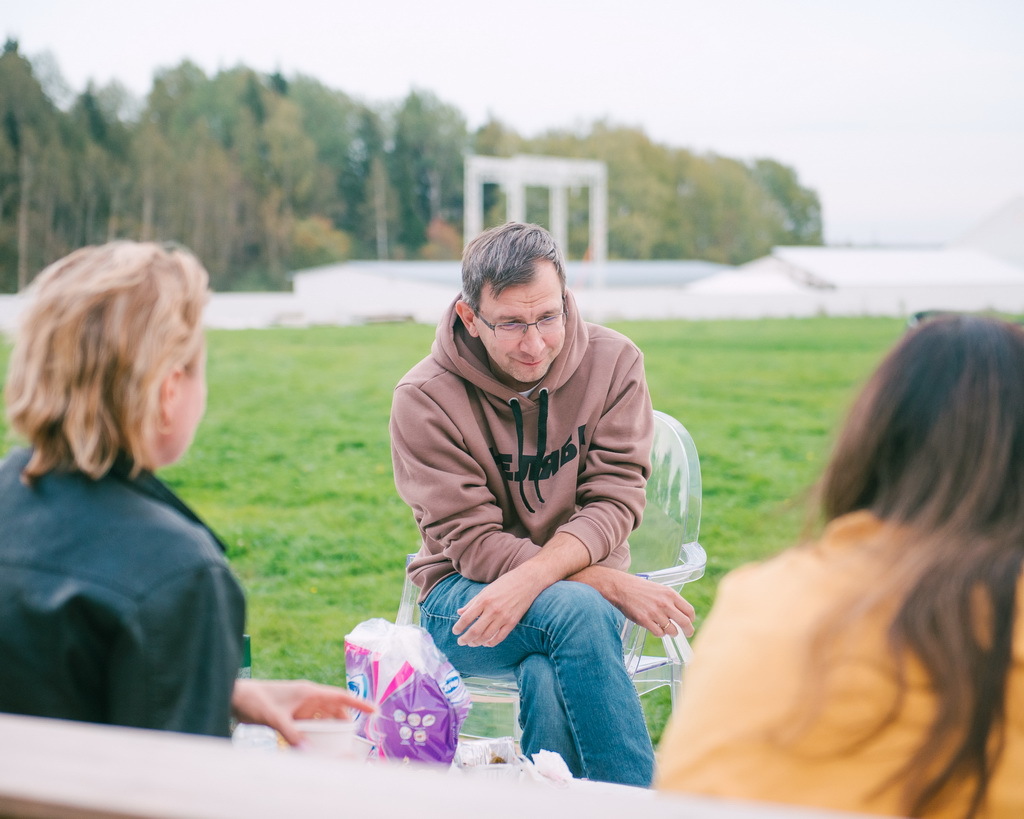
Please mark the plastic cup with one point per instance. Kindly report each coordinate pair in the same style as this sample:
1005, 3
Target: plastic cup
331, 737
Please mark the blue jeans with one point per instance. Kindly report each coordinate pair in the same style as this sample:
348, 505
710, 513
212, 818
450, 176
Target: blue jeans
566, 655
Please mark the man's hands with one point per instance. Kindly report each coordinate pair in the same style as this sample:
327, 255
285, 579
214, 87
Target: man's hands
488, 618
657, 608
278, 702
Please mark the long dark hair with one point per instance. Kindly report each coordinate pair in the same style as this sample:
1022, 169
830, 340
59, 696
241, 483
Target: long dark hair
934, 446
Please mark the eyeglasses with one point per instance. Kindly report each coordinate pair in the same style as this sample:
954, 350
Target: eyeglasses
924, 316
511, 330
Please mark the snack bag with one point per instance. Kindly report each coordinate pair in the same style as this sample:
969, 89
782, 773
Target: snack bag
421, 699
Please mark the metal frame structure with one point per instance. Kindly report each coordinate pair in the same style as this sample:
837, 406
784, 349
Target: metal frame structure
556, 174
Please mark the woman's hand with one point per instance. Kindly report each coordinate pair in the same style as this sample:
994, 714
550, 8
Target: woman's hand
278, 703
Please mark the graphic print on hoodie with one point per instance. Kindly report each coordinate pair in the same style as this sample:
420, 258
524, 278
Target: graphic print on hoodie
536, 468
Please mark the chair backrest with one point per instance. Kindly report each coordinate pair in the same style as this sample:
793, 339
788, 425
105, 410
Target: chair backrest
667, 536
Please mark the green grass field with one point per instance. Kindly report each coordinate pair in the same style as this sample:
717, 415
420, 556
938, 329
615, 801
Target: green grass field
292, 463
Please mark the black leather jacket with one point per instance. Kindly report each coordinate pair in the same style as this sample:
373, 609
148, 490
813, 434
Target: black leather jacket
116, 604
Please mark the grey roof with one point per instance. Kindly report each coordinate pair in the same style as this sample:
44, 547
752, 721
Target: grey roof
579, 275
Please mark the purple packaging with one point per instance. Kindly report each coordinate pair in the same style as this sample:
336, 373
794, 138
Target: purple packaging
421, 699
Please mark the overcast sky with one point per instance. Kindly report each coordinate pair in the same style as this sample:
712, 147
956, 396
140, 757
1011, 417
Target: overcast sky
906, 116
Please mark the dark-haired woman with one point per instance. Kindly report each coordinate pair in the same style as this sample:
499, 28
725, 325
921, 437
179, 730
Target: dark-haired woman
880, 668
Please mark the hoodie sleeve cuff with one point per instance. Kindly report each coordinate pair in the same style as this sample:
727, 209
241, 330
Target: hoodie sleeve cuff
591, 536
527, 551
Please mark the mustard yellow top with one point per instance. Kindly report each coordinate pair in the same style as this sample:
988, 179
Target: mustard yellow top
749, 676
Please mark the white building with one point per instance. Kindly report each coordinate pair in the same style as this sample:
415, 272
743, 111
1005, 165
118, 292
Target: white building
983, 270
806, 281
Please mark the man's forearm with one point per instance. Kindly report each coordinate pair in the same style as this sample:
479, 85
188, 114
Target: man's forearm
562, 556
605, 580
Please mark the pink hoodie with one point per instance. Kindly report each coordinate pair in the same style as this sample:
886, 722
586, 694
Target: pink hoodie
465, 452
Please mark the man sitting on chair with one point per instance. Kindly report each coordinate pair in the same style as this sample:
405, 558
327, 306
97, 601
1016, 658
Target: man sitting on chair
522, 445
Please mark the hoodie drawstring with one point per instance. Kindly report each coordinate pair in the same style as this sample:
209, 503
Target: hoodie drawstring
517, 414
542, 443
542, 440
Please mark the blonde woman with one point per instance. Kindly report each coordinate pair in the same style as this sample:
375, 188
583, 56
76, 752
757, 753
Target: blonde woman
116, 603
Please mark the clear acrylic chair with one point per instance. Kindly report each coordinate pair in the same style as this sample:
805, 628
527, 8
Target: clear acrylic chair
664, 549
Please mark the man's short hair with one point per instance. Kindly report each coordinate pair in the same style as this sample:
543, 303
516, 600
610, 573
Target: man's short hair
504, 256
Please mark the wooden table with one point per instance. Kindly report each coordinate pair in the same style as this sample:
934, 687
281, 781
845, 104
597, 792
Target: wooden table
55, 768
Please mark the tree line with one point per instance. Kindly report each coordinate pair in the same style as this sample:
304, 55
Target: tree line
262, 174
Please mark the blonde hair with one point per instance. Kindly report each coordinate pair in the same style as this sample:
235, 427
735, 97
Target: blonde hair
103, 328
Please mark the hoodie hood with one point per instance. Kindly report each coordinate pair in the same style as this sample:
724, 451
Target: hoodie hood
461, 353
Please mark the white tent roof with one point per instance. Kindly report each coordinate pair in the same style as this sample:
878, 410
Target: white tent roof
760, 276
833, 267
1001, 234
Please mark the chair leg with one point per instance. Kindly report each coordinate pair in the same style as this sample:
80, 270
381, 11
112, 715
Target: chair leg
676, 686
490, 718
